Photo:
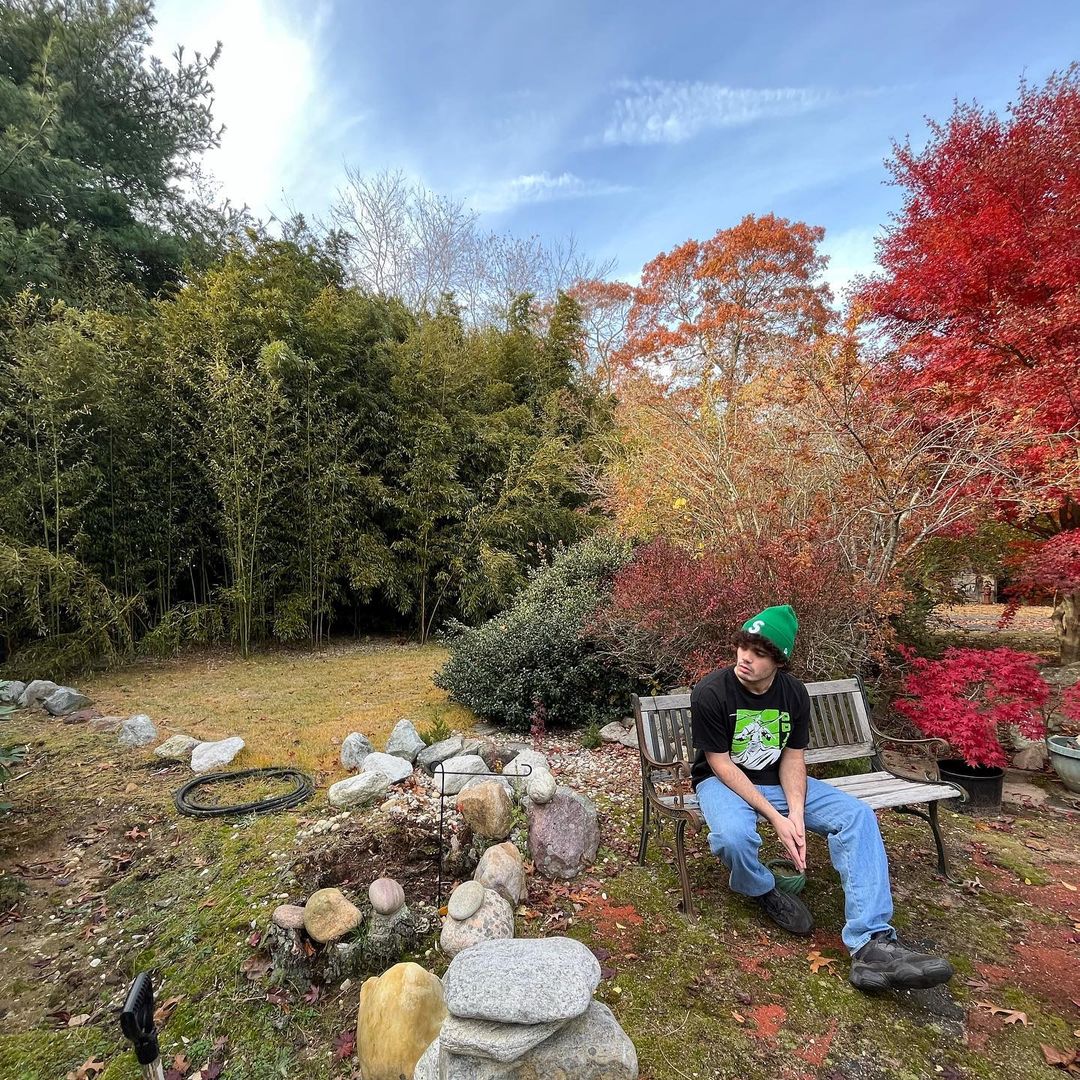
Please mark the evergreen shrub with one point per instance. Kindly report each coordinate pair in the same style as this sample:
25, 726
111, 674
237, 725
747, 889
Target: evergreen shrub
539, 653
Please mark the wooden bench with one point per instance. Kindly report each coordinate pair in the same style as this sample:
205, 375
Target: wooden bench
840, 730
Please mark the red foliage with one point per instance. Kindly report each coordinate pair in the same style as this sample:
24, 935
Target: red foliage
980, 269
672, 614
1052, 566
970, 696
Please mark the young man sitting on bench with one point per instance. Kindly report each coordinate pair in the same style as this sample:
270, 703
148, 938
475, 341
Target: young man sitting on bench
751, 725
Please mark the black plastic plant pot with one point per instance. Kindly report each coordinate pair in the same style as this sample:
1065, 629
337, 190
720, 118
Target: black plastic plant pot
983, 783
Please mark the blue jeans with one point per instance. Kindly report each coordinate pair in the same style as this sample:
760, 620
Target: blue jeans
855, 848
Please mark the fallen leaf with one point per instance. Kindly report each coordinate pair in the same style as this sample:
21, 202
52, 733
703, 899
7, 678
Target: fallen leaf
165, 1010
209, 902
345, 1044
1016, 1017
739, 1018
78, 1021
130, 788
255, 967
1071, 888
278, 997
135, 833
1037, 845
1012, 1016
180, 1067
88, 1069
255, 938
1059, 1058
817, 961
312, 994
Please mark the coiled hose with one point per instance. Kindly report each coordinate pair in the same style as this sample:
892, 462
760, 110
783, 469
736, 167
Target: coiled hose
187, 802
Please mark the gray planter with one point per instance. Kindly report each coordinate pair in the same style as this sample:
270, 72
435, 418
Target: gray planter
1065, 757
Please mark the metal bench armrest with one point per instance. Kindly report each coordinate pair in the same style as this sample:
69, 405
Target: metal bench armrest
881, 736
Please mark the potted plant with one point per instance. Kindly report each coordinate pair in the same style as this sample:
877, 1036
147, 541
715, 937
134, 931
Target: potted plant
969, 699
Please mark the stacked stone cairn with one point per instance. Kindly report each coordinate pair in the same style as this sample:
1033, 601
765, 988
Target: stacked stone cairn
523, 1009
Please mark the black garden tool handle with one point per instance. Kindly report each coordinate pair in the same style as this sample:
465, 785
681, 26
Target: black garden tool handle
137, 1020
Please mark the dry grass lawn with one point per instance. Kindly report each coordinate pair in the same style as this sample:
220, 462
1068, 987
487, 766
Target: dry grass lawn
291, 708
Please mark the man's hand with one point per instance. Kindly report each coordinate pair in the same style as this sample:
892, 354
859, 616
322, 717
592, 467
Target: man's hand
792, 835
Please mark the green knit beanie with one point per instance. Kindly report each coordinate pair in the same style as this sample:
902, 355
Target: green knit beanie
778, 624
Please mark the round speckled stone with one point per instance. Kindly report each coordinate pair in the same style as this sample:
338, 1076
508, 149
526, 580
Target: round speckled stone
465, 900
386, 895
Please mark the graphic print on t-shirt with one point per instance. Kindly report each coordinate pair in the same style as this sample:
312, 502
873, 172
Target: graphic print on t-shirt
760, 735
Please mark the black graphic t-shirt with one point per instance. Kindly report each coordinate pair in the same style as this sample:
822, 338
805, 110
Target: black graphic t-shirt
753, 728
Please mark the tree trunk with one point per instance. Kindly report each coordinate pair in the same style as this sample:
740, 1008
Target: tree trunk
1067, 617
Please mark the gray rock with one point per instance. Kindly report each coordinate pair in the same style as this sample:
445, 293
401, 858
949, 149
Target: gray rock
215, 755
493, 920
465, 900
484, 747
427, 1068
431, 755
541, 787
356, 791
476, 781
590, 1047
524, 765
395, 769
463, 766
64, 700
137, 730
487, 809
177, 748
491, 1040
288, 916
36, 692
385, 895
630, 739
11, 691
330, 915
405, 741
354, 749
613, 732
109, 724
1032, 758
563, 834
501, 868
527, 981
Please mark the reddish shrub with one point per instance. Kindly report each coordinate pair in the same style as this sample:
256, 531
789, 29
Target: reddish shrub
672, 614
970, 696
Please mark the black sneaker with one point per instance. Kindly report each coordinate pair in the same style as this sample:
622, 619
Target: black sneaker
884, 964
787, 911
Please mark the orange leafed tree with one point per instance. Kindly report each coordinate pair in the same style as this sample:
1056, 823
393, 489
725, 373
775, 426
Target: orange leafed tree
715, 312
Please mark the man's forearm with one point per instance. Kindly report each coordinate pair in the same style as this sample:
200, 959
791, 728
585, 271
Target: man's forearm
793, 780
729, 774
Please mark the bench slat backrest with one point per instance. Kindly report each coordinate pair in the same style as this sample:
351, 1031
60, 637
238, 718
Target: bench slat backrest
839, 724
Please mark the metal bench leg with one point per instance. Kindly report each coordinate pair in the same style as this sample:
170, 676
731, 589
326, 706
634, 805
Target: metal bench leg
684, 874
646, 814
942, 858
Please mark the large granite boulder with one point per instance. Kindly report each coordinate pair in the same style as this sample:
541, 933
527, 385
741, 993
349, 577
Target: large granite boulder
405, 741
208, 756
451, 775
501, 868
613, 732
491, 1040
431, 755
563, 834
487, 810
329, 915
526, 981
37, 690
493, 919
394, 768
137, 730
354, 749
64, 700
10, 691
400, 1014
355, 792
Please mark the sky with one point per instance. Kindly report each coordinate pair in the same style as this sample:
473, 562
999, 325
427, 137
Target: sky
631, 126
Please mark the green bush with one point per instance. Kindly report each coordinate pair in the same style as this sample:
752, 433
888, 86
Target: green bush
590, 736
538, 653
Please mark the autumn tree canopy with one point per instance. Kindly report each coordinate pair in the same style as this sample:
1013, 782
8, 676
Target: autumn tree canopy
978, 289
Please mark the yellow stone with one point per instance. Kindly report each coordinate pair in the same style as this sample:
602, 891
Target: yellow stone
400, 1014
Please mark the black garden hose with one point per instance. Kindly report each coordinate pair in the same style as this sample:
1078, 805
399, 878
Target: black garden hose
302, 790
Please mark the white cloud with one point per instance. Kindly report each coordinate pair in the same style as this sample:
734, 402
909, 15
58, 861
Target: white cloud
850, 253
654, 111
494, 198
266, 91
